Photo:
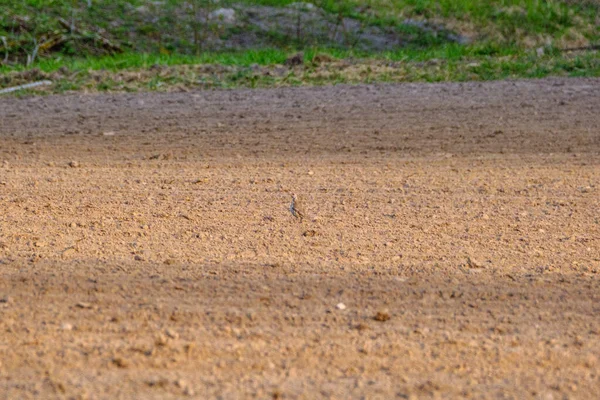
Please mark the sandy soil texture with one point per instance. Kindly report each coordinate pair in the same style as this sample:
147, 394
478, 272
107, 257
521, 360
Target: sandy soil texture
450, 245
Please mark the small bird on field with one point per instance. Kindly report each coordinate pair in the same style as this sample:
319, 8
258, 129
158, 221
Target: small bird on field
296, 207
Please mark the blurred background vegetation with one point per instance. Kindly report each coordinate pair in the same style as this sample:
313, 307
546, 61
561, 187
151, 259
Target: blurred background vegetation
126, 45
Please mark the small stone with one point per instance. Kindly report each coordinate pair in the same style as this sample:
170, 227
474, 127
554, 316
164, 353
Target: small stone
120, 362
172, 333
180, 383
158, 382
189, 347
83, 304
362, 327
138, 258
73, 164
73, 225
40, 244
485, 217
311, 173
340, 306
109, 133
382, 316
161, 340
66, 327
6, 299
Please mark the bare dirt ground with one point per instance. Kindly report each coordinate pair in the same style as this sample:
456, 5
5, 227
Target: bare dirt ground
147, 250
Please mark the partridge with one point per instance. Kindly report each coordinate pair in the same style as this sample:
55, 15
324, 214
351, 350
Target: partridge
296, 207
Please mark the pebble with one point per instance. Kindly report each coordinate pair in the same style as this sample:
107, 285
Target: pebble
66, 327
120, 362
362, 327
161, 340
83, 304
172, 333
382, 316
340, 306
158, 382
73, 164
109, 133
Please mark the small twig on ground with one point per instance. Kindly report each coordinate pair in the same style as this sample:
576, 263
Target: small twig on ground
25, 86
590, 47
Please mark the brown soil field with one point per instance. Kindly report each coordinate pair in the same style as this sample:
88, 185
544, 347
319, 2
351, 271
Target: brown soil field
450, 245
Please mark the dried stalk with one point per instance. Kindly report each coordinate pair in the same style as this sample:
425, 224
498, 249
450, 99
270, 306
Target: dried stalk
25, 86
31, 58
